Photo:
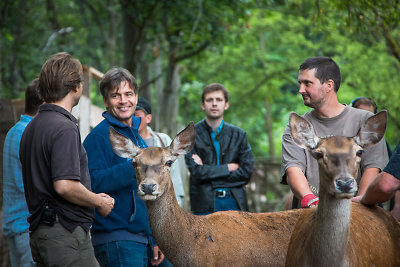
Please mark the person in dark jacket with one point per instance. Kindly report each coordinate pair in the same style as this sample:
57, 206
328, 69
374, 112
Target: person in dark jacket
123, 237
221, 162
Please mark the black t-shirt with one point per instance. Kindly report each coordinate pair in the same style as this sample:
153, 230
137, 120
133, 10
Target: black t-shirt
51, 150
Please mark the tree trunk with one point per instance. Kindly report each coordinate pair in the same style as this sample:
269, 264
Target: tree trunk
269, 128
132, 36
167, 123
145, 86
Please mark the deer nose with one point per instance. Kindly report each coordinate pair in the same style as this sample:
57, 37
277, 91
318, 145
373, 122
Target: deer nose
148, 189
345, 185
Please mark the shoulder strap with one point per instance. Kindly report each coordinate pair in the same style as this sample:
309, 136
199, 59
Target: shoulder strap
162, 143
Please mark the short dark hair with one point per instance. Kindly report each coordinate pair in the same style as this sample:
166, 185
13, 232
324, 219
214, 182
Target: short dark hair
212, 88
32, 97
144, 105
60, 74
363, 100
325, 69
113, 79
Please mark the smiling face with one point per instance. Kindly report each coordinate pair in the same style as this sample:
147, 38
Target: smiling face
214, 105
311, 88
121, 103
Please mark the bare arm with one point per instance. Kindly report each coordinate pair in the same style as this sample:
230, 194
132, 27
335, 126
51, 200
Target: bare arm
297, 182
76, 193
366, 179
381, 189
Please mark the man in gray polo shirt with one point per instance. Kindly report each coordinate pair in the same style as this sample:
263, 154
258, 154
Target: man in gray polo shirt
55, 172
319, 79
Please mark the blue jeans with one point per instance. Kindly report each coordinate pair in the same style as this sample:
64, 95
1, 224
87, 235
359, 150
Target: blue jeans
227, 202
121, 253
20, 250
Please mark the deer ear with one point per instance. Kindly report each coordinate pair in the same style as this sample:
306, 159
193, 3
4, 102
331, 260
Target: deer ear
373, 130
183, 141
122, 145
302, 132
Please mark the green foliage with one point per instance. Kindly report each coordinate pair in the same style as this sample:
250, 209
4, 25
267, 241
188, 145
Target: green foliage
254, 48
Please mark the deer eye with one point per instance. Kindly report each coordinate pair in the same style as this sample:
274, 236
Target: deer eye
317, 155
359, 153
134, 164
169, 163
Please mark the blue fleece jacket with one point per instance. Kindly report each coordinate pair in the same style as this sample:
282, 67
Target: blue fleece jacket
116, 177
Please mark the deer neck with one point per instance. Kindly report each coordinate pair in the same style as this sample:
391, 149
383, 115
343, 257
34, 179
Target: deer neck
163, 206
165, 214
331, 231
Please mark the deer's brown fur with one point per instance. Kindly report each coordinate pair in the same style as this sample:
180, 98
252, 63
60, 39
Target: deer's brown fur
229, 238
337, 232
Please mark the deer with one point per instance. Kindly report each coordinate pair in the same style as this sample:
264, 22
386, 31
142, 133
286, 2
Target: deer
226, 238
340, 232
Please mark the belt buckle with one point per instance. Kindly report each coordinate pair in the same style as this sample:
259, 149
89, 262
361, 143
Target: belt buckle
223, 193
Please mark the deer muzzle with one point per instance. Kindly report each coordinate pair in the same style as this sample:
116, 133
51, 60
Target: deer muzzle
148, 189
346, 185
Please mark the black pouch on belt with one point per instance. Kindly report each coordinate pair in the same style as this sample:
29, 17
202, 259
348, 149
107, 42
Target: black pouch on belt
48, 215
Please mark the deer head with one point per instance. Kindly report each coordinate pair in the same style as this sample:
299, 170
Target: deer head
153, 164
338, 157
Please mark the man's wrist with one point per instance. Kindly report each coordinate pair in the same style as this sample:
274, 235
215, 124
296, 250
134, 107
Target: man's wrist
309, 200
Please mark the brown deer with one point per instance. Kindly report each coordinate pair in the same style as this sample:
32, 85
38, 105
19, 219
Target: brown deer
228, 238
337, 232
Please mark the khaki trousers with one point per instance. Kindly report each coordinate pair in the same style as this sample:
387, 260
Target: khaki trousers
56, 246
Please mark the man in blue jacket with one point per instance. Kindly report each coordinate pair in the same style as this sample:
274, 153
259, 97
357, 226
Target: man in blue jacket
122, 238
221, 162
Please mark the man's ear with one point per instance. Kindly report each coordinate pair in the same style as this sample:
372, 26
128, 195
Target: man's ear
226, 105
202, 106
330, 85
105, 102
148, 118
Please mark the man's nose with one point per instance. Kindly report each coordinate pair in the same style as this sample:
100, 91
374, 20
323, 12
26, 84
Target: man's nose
301, 89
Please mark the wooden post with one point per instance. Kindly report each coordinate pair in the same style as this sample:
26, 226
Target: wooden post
82, 110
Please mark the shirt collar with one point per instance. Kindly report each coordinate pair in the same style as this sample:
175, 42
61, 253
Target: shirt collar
56, 108
219, 129
113, 120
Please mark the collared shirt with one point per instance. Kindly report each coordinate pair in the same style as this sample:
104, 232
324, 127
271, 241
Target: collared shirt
15, 208
51, 150
216, 143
